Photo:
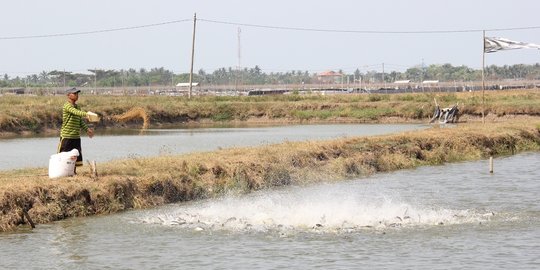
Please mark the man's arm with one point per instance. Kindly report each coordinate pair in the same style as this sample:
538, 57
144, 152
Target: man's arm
71, 109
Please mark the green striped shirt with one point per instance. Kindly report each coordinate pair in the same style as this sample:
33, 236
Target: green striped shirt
72, 121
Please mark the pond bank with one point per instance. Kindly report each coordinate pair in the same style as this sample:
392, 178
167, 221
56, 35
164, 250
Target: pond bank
264, 121
42, 114
146, 182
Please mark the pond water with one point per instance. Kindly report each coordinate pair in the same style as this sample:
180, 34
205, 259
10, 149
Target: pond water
35, 152
456, 216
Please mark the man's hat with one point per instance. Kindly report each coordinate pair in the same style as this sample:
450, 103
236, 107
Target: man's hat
72, 91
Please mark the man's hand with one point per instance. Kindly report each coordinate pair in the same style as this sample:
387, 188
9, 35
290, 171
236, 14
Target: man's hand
90, 132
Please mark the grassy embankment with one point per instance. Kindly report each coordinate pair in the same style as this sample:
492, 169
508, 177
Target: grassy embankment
42, 114
146, 182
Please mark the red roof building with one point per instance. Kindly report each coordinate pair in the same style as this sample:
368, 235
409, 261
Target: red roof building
329, 76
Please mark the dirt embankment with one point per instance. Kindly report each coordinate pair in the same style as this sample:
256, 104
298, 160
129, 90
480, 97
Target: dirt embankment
146, 182
42, 114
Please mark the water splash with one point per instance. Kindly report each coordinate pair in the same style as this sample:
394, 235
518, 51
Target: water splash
324, 208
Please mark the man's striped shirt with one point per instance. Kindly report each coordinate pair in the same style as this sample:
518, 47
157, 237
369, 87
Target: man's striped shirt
72, 121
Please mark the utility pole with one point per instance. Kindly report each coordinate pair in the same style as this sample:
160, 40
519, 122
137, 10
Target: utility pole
95, 79
422, 75
192, 55
384, 82
239, 67
483, 83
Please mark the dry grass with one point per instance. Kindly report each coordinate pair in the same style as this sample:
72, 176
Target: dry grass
36, 114
145, 182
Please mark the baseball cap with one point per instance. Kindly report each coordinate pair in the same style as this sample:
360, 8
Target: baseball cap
72, 91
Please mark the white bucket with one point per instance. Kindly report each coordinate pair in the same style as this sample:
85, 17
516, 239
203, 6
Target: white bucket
63, 164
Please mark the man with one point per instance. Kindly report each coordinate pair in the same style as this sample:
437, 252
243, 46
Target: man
72, 123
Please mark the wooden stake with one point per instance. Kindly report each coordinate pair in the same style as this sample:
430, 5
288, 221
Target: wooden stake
27, 216
490, 164
93, 168
95, 174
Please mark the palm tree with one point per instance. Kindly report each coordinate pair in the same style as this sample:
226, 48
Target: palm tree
43, 77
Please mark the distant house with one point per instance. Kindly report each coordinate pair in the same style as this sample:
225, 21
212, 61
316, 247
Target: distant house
430, 85
402, 84
186, 84
329, 77
182, 89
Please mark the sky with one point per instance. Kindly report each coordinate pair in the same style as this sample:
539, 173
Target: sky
276, 35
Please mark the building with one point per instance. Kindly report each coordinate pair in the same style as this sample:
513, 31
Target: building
329, 77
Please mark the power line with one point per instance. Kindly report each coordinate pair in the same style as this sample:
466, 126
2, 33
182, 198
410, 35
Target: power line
95, 31
371, 31
272, 27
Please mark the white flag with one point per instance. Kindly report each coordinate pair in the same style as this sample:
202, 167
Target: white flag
493, 44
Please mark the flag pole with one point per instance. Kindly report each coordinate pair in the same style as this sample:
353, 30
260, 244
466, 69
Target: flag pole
192, 56
483, 82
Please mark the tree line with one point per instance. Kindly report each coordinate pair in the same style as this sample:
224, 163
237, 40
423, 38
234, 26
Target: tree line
256, 76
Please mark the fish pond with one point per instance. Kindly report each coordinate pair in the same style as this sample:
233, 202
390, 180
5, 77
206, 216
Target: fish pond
455, 216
